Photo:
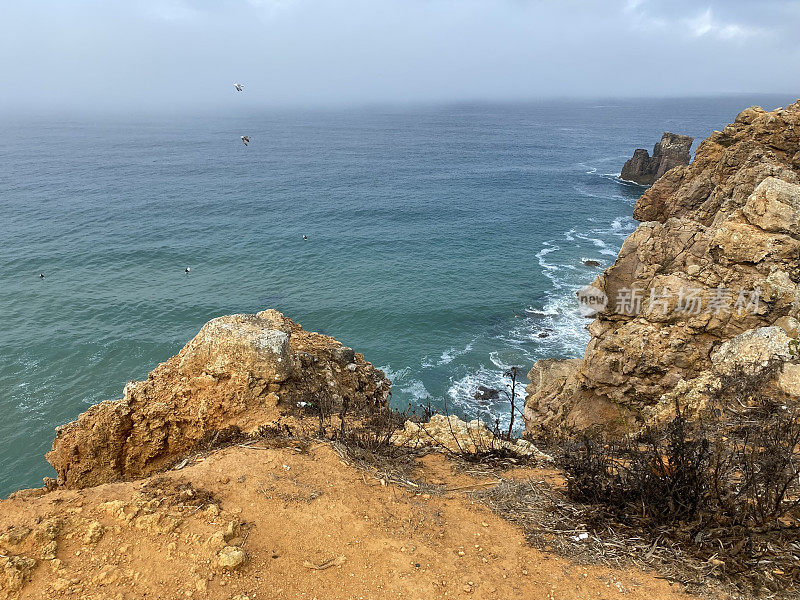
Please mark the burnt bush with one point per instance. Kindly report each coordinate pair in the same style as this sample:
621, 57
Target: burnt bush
755, 473
661, 476
372, 431
725, 487
743, 474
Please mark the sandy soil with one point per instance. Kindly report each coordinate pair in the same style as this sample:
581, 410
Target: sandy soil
311, 526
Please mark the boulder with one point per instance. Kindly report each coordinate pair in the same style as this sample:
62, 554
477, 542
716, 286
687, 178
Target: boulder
671, 151
548, 400
454, 435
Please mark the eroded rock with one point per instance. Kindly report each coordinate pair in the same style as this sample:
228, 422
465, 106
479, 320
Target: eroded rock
455, 435
716, 257
671, 151
232, 376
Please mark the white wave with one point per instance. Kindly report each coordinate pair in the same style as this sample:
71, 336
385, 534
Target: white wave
448, 355
416, 389
462, 394
396, 376
553, 326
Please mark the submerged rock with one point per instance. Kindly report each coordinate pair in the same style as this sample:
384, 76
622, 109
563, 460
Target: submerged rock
486, 393
671, 151
230, 378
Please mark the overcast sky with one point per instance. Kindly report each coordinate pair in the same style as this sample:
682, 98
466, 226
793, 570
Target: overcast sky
182, 53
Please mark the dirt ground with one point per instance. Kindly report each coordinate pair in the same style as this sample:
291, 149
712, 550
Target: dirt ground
310, 527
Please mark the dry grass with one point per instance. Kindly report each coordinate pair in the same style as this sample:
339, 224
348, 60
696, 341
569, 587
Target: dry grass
554, 523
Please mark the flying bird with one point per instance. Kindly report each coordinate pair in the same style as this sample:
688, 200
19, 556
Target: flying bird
187, 270
246, 139
305, 237
238, 87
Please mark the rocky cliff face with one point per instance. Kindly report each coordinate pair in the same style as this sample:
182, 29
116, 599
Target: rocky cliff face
236, 373
709, 282
671, 151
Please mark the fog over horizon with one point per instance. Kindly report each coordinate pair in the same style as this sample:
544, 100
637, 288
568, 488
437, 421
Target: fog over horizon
186, 54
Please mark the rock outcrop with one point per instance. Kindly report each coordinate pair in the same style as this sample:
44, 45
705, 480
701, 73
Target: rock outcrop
671, 151
233, 376
709, 280
451, 434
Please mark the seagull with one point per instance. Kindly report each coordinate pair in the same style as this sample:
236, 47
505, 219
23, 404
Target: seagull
305, 237
41, 275
246, 139
187, 270
238, 86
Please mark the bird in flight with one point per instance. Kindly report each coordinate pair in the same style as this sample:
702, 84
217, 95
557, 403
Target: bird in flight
238, 87
246, 139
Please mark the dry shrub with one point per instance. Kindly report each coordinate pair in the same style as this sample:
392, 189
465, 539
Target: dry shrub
727, 490
660, 476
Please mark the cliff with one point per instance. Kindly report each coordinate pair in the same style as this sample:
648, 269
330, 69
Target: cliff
278, 514
707, 284
240, 373
671, 151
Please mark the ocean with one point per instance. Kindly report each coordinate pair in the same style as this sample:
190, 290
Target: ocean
444, 242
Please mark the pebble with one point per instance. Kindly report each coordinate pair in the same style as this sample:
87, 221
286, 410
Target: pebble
231, 558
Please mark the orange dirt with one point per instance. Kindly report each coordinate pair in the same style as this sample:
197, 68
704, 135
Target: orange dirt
311, 527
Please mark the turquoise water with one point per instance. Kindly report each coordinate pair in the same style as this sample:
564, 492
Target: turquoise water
443, 242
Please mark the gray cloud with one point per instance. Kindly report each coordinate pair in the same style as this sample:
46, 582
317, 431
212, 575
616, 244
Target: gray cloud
185, 53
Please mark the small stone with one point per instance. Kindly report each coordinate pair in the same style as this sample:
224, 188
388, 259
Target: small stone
467, 588
216, 541
231, 558
49, 550
60, 584
231, 531
94, 532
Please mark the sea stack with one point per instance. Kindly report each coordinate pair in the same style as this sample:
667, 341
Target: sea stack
671, 151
